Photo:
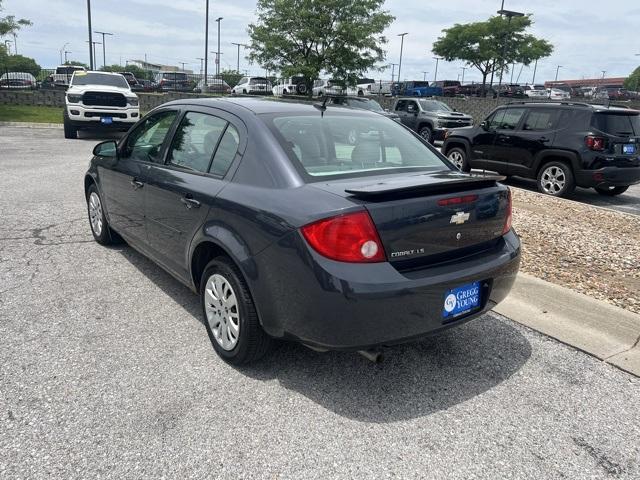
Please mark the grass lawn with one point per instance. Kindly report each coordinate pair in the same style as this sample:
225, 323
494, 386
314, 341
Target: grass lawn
30, 113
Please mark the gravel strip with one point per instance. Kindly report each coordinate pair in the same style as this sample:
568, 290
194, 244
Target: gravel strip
591, 250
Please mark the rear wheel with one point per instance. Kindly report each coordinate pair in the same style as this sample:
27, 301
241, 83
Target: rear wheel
611, 191
301, 88
230, 315
458, 157
426, 133
556, 178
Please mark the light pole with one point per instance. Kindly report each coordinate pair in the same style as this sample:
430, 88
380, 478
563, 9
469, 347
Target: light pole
218, 58
393, 71
424, 76
92, 47
62, 50
401, 35
104, 56
509, 14
91, 44
183, 64
557, 70
206, 43
65, 55
463, 70
217, 61
238, 61
15, 43
435, 75
201, 60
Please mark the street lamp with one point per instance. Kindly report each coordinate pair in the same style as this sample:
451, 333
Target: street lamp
104, 57
206, 42
90, 42
92, 47
401, 35
435, 75
509, 14
65, 55
62, 50
183, 64
393, 71
557, 70
238, 45
463, 70
218, 60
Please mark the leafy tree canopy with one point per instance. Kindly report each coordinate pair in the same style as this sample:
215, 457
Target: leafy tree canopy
342, 38
10, 25
76, 63
489, 44
632, 82
138, 72
17, 63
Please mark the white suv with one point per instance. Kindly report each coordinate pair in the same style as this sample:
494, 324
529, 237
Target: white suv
99, 101
535, 91
290, 86
252, 86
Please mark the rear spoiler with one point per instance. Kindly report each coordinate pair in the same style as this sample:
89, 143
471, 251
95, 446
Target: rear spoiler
431, 184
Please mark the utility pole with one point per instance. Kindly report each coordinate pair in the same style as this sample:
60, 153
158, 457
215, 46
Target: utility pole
183, 64
463, 70
557, 70
65, 55
91, 54
218, 58
509, 14
206, 43
401, 35
238, 61
201, 60
393, 71
435, 76
92, 47
104, 56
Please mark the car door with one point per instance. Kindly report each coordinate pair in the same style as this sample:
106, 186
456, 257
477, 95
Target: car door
482, 143
122, 182
181, 191
401, 111
506, 137
413, 110
535, 134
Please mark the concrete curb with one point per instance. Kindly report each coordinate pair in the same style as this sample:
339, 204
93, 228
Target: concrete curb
30, 125
609, 333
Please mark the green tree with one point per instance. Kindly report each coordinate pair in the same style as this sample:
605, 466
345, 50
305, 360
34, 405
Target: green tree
632, 83
17, 63
9, 25
342, 38
231, 77
138, 72
488, 45
77, 63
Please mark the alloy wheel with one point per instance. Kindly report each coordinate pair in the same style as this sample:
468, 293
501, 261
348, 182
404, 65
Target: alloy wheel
457, 159
95, 213
222, 311
553, 180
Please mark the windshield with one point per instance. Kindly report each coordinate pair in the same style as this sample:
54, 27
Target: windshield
258, 81
178, 76
95, 78
419, 84
366, 105
617, 124
340, 145
434, 106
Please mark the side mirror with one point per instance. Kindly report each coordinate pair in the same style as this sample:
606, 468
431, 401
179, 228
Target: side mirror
108, 149
484, 125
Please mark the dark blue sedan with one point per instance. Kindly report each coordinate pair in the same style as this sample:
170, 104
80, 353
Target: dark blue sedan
288, 231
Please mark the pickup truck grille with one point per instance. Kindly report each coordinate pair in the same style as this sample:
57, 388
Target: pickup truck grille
449, 123
104, 99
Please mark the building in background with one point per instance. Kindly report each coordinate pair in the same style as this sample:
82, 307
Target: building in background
157, 67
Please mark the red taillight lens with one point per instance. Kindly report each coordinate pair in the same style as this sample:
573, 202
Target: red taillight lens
594, 143
445, 202
509, 218
346, 238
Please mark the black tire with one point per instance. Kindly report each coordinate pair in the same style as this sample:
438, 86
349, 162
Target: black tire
106, 236
458, 157
69, 130
301, 89
252, 341
611, 191
563, 174
426, 133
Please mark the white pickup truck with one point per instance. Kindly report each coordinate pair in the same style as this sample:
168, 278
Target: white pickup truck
99, 101
62, 77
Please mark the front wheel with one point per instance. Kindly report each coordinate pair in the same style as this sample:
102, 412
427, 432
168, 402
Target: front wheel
230, 316
100, 229
69, 130
556, 178
611, 191
426, 133
458, 157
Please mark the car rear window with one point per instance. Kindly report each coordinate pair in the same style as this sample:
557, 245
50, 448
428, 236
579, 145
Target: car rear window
257, 81
341, 146
617, 123
175, 76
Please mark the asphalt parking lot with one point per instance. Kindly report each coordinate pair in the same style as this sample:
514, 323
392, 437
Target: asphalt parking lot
106, 371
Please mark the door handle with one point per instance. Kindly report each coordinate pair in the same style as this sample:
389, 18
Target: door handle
504, 137
543, 139
136, 184
190, 202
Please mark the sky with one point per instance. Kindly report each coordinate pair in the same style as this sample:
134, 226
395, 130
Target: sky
588, 37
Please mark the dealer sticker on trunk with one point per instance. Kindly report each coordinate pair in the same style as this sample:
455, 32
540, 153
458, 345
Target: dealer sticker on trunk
461, 300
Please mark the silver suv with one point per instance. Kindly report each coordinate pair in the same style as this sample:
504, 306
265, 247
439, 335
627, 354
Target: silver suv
430, 118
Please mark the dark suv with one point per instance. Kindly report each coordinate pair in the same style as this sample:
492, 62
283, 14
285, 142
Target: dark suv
560, 145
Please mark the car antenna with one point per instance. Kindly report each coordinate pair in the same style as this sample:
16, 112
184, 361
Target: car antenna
322, 107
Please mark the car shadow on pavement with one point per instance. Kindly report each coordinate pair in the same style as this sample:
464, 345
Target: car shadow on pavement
414, 380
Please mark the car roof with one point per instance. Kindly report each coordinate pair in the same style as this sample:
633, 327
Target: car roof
260, 106
594, 107
104, 73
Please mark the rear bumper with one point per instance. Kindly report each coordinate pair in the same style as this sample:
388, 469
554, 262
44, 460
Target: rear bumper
608, 177
342, 306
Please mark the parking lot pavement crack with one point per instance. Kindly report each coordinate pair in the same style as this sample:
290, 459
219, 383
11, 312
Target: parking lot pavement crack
609, 466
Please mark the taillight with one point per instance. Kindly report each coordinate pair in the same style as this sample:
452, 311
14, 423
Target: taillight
346, 238
509, 217
446, 202
594, 143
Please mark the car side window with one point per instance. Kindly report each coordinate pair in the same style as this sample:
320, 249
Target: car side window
541, 119
226, 151
195, 141
145, 142
412, 106
401, 105
510, 119
242, 80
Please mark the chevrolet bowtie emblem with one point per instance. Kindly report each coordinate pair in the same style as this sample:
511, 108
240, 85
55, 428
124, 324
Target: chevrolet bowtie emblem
459, 218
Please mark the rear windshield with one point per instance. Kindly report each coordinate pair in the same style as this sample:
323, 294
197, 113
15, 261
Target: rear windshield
617, 124
351, 146
175, 76
419, 84
257, 81
94, 78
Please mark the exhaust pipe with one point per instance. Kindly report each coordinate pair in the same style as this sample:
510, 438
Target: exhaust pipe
374, 356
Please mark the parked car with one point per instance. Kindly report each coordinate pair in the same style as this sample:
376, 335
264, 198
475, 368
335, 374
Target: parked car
172, 81
290, 86
326, 87
615, 93
557, 94
477, 90
560, 145
431, 119
450, 88
286, 233
535, 91
18, 81
99, 101
131, 80
62, 77
381, 87
252, 86
147, 85
416, 89
215, 85
511, 90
